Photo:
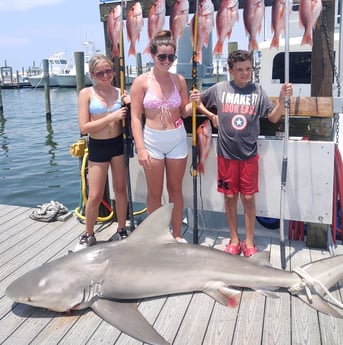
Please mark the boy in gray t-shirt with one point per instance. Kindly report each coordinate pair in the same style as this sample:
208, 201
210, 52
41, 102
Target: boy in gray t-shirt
238, 105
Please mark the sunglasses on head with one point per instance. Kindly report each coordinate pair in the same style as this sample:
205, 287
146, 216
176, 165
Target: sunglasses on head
171, 57
101, 74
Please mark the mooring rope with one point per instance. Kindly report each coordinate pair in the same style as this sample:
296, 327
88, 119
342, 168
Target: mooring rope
48, 212
307, 283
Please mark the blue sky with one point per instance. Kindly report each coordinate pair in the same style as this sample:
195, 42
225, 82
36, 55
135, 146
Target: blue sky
32, 30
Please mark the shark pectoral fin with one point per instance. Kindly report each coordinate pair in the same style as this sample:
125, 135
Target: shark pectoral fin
225, 296
127, 318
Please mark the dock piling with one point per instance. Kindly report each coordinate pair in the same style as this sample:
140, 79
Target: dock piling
1, 106
79, 58
46, 89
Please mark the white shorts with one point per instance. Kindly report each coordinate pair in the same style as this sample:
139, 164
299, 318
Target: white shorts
170, 143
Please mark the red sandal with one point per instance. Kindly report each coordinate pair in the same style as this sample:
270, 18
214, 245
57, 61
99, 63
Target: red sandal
233, 249
249, 251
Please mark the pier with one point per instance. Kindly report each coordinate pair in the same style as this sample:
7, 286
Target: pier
191, 319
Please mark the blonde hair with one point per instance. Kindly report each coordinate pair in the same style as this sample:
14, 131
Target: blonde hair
96, 59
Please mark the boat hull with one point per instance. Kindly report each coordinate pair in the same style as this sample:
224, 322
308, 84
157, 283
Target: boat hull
38, 81
69, 80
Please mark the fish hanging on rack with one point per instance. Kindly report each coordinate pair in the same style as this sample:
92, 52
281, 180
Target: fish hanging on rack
178, 18
113, 29
156, 20
253, 14
278, 20
205, 26
309, 11
226, 18
134, 26
204, 139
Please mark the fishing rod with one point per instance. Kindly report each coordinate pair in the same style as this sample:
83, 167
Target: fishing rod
194, 124
285, 143
125, 124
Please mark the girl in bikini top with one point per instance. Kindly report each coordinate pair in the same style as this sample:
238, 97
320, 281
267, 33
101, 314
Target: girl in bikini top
152, 101
98, 107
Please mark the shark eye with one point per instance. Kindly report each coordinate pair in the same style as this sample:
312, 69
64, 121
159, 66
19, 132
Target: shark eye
42, 283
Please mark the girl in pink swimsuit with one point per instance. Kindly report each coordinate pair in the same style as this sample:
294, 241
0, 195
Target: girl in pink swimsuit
162, 98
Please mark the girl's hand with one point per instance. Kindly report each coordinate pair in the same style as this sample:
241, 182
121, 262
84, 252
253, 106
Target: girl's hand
144, 158
118, 115
195, 96
126, 99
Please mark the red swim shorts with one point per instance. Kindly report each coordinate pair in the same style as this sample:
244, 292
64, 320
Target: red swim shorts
238, 176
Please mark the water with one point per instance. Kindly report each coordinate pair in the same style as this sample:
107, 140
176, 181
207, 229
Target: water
35, 163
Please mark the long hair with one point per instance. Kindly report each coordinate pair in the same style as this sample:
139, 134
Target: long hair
163, 37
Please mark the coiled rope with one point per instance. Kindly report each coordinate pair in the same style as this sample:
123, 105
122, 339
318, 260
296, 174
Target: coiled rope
48, 212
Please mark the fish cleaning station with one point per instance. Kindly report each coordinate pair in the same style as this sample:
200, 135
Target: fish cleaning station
151, 289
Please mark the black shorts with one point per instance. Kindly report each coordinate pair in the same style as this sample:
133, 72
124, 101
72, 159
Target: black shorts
102, 150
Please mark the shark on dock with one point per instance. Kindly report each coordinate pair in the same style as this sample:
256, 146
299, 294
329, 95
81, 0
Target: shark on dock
110, 278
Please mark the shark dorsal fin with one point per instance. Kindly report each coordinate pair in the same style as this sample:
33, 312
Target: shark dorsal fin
155, 228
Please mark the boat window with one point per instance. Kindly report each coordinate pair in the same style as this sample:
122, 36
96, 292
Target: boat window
299, 67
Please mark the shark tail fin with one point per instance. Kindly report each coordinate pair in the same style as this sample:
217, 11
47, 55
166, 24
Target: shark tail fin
316, 280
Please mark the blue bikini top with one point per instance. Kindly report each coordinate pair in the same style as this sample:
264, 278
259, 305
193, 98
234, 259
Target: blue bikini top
98, 107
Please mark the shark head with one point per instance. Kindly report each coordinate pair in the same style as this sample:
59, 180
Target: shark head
43, 287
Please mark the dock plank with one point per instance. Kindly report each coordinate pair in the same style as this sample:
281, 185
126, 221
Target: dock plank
305, 328
277, 317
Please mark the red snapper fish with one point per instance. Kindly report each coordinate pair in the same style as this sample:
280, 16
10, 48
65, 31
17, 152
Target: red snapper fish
134, 25
204, 140
278, 20
253, 14
113, 29
178, 18
309, 11
156, 20
226, 18
205, 26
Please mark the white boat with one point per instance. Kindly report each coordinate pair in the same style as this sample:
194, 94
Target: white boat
69, 79
58, 64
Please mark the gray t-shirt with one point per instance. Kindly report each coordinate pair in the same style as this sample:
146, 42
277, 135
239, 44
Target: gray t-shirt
238, 110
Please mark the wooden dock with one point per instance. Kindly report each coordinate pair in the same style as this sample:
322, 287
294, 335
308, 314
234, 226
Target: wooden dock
187, 319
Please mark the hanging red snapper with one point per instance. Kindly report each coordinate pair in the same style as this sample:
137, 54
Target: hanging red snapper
205, 26
134, 25
156, 20
253, 14
113, 29
178, 18
204, 140
226, 18
278, 20
309, 11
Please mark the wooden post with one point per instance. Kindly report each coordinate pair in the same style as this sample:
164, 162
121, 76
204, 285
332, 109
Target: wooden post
139, 64
321, 85
46, 80
322, 70
18, 81
1, 106
79, 58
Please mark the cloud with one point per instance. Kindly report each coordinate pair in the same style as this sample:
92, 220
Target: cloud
23, 5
